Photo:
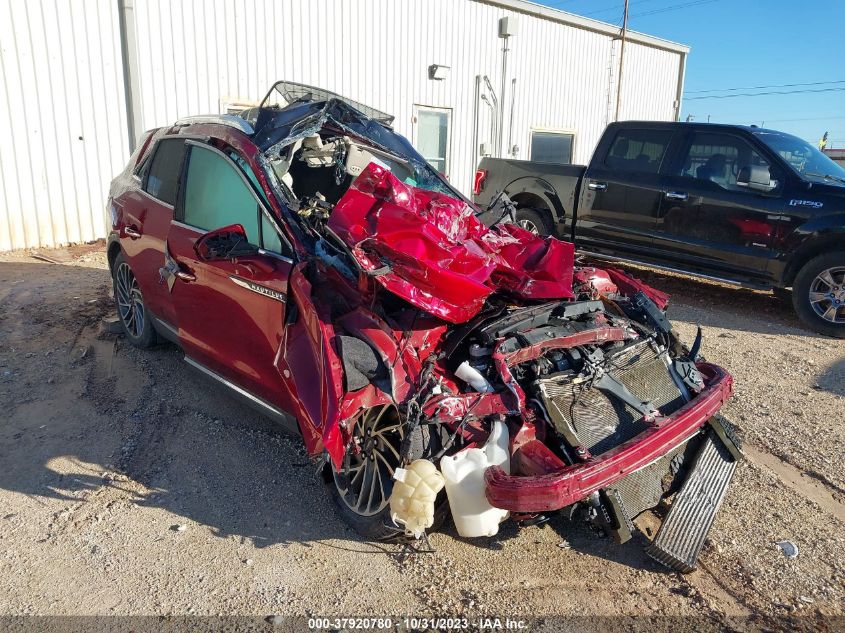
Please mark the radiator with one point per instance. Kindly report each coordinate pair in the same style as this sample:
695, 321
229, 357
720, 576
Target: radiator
600, 421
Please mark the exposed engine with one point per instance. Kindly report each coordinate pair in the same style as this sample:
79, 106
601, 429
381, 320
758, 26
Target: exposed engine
593, 396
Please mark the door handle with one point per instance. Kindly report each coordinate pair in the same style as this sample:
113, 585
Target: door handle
676, 195
597, 186
185, 276
131, 232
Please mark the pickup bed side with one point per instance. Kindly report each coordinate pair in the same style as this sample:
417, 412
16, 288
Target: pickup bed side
547, 190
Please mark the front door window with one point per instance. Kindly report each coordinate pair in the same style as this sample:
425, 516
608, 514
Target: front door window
217, 196
720, 158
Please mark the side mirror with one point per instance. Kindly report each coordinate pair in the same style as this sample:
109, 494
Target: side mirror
224, 243
756, 178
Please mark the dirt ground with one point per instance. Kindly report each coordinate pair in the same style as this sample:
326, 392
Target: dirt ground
131, 485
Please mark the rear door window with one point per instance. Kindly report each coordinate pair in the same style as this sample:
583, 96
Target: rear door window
638, 150
162, 177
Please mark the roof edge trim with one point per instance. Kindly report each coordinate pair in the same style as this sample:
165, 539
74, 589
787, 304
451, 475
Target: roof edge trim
556, 15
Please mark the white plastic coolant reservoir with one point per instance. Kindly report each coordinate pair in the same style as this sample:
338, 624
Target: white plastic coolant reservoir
413, 496
464, 474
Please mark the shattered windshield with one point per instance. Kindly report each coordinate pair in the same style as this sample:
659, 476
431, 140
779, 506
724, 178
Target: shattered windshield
285, 93
803, 157
280, 128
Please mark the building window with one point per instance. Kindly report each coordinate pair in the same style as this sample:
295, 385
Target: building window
552, 147
433, 126
235, 106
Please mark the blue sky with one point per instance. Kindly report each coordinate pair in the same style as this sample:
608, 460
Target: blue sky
749, 43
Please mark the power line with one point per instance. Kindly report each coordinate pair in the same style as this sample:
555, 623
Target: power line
815, 83
614, 8
673, 7
763, 94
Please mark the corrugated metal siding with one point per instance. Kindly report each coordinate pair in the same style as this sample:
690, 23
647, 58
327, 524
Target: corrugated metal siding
378, 52
649, 83
62, 116
196, 55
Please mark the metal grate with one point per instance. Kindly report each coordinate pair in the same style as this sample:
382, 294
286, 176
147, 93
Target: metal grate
684, 530
645, 373
602, 422
644, 488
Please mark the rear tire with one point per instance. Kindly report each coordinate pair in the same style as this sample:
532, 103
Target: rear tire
818, 294
135, 320
361, 488
534, 220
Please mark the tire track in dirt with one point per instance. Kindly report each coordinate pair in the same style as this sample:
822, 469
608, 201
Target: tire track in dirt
807, 485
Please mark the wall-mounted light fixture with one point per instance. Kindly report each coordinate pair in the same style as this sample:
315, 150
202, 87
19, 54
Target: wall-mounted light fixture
438, 72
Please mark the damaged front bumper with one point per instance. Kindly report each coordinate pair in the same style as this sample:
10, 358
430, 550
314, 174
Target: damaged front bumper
542, 482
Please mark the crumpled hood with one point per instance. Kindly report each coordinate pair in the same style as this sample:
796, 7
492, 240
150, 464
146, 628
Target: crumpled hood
431, 250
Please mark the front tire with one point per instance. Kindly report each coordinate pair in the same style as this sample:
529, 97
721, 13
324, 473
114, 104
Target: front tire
818, 294
361, 488
135, 320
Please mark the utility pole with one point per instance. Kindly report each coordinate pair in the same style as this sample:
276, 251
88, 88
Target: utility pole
621, 61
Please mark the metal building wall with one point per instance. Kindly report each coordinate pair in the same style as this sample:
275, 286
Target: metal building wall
649, 84
194, 56
62, 124
62, 100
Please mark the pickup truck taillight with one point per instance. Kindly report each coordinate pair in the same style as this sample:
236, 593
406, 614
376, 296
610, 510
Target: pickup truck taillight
478, 183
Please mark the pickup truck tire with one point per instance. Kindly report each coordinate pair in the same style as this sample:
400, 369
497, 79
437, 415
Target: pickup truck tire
818, 294
534, 220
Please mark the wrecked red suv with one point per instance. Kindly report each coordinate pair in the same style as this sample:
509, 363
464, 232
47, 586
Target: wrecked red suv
306, 256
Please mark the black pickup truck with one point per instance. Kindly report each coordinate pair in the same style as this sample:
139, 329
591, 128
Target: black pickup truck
743, 205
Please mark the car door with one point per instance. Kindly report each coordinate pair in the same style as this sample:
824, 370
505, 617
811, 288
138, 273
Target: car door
710, 221
146, 213
230, 313
622, 191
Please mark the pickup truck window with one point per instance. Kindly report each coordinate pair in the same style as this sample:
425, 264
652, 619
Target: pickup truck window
719, 158
638, 150
805, 159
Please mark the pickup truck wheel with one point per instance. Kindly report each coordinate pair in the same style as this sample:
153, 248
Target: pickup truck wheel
361, 488
818, 294
533, 220
135, 319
